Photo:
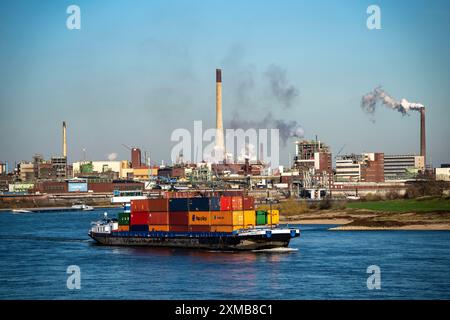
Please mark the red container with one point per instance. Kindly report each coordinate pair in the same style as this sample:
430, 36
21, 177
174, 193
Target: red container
158, 218
139, 205
149, 205
138, 218
199, 228
236, 203
178, 228
248, 203
157, 205
179, 218
225, 203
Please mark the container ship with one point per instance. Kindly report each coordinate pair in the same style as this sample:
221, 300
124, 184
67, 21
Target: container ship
212, 223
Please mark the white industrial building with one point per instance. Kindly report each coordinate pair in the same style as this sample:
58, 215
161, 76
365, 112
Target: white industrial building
443, 174
398, 167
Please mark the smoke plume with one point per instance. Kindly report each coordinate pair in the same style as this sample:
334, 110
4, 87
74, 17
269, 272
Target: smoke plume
378, 95
112, 156
287, 129
284, 92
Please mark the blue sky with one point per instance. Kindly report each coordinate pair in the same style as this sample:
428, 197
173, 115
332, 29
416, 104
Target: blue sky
137, 70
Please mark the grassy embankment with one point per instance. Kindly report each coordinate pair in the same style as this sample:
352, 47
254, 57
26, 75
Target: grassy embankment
424, 213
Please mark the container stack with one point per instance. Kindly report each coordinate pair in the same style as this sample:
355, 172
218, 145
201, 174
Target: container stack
200, 214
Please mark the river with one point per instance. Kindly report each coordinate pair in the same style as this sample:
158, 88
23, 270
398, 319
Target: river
37, 248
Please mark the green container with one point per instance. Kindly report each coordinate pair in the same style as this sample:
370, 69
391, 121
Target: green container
261, 217
124, 219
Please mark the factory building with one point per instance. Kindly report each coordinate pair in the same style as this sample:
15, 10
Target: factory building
443, 173
86, 185
3, 168
312, 154
86, 168
26, 171
366, 167
348, 167
144, 173
402, 167
59, 166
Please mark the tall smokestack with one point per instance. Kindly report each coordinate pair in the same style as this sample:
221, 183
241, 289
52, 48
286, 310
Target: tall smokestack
64, 140
423, 149
220, 145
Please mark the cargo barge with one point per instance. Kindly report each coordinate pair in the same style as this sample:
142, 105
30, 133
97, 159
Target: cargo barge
211, 223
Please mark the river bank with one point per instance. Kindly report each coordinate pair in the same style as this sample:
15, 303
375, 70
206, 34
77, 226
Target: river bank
360, 219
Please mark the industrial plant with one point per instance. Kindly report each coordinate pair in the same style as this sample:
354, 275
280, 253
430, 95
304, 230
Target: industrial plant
314, 174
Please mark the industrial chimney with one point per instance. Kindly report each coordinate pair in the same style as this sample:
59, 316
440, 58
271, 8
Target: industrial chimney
220, 145
64, 140
423, 150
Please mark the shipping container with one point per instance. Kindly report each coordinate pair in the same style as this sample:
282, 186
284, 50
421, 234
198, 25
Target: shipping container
236, 203
248, 203
199, 204
224, 218
124, 219
158, 205
238, 218
149, 205
273, 217
199, 218
214, 204
199, 229
158, 218
225, 228
249, 218
124, 228
139, 227
173, 228
261, 217
179, 204
140, 205
137, 218
225, 203
179, 218
158, 228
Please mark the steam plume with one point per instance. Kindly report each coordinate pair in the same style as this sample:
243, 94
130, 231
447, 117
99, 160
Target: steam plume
112, 156
370, 100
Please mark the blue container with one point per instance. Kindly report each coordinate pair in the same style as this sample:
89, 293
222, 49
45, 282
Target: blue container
215, 204
179, 204
199, 204
139, 227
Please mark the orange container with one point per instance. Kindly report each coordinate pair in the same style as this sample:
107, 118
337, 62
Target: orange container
158, 228
199, 218
124, 228
221, 218
225, 228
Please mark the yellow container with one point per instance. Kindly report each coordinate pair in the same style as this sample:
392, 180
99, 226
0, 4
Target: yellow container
249, 218
199, 218
245, 218
225, 228
238, 218
273, 217
158, 228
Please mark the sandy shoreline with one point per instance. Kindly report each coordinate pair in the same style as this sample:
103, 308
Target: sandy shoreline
364, 220
416, 227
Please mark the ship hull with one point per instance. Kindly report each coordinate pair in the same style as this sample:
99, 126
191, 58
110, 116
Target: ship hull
224, 242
